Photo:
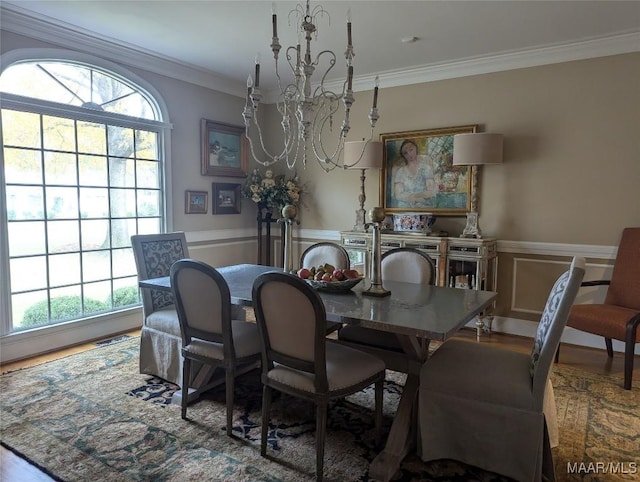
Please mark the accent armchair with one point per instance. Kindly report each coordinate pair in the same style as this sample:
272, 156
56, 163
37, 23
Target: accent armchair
618, 317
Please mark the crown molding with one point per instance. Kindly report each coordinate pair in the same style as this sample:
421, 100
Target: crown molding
17, 20
601, 47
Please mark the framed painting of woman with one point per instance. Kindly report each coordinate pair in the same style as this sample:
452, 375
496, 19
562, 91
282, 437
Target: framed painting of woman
418, 174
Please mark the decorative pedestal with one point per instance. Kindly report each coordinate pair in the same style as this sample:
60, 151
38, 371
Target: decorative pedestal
264, 219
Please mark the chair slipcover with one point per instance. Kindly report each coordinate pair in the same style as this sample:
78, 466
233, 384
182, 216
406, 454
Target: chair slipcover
160, 340
484, 405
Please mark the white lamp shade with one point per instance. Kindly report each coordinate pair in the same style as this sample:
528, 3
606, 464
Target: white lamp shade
363, 155
478, 148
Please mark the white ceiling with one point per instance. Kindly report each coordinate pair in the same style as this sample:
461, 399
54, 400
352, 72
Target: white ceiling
222, 38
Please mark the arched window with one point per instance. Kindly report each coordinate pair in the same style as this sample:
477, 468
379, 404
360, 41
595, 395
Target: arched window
83, 171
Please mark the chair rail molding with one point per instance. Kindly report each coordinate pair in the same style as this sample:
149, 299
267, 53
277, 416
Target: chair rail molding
558, 249
219, 235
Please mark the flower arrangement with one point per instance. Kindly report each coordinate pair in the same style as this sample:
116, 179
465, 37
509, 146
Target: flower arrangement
272, 192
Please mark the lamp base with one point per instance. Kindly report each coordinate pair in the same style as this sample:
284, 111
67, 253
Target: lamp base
360, 221
472, 229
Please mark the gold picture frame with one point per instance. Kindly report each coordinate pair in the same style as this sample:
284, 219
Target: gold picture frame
226, 198
196, 202
223, 149
433, 184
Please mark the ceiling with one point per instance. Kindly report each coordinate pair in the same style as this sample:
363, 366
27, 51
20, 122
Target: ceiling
222, 38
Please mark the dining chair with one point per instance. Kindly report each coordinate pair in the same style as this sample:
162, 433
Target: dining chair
399, 264
160, 338
619, 316
483, 405
209, 334
297, 358
325, 252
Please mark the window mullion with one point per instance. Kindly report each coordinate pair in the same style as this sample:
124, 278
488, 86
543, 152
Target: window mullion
52, 235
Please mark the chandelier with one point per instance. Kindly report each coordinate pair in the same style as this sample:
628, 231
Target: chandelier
307, 109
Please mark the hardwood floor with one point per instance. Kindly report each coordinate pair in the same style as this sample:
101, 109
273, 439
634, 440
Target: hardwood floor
15, 469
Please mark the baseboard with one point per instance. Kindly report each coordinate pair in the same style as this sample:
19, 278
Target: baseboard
514, 326
28, 343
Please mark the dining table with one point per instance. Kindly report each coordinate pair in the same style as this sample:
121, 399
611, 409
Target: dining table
415, 313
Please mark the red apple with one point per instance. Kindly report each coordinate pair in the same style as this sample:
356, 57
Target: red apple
326, 277
351, 273
304, 273
338, 274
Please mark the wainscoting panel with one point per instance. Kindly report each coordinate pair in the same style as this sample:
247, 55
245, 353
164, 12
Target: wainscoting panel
532, 282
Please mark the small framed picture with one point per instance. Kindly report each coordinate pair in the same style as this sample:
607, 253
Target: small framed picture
226, 198
224, 149
196, 202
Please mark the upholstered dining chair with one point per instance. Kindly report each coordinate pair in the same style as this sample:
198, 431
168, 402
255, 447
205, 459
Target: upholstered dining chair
399, 264
297, 358
325, 252
209, 335
160, 339
483, 405
619, 316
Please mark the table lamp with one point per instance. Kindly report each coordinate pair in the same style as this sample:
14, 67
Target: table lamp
362, 155
474, 150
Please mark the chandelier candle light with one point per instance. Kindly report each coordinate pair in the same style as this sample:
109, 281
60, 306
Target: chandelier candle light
307, 114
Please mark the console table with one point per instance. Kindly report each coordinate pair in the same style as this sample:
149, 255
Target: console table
467, 263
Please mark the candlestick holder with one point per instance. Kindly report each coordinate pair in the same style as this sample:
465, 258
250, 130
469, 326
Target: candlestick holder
376, 289
289, 213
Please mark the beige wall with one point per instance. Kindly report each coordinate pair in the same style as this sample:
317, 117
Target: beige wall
572, 150
571, 171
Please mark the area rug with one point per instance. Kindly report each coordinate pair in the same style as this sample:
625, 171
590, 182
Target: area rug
92, 416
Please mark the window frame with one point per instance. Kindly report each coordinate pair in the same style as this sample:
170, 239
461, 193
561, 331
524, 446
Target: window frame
42, 107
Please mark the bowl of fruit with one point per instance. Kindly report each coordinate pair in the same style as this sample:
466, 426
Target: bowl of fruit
326, 277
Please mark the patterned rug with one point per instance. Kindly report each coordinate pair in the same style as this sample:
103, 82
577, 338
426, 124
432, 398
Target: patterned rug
92, 416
